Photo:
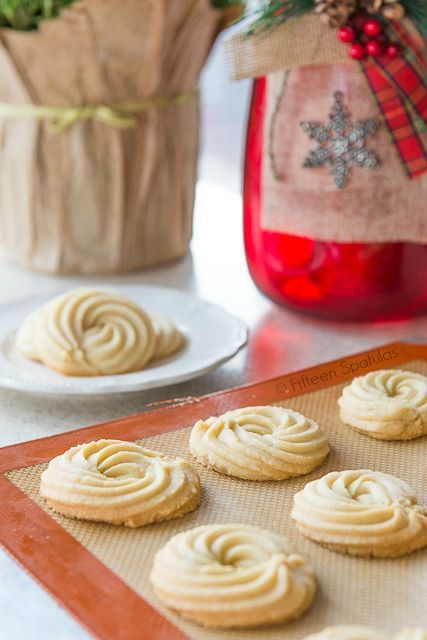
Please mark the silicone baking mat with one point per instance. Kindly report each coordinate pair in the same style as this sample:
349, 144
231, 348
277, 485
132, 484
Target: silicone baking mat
100, 572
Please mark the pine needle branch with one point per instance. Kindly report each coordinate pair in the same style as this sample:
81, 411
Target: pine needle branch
416, 10
273, 12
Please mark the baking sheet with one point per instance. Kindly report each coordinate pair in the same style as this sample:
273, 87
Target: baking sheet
387, 593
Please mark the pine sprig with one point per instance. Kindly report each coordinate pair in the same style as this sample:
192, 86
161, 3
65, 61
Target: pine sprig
271, 13
25, 15
416, 10
274, 12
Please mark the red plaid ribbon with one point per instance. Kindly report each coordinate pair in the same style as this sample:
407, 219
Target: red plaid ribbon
400, 89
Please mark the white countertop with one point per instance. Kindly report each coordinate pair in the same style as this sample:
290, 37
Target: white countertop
281, 341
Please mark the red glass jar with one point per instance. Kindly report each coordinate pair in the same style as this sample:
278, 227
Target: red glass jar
353, 281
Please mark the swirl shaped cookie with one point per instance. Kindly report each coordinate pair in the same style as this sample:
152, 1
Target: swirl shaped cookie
259, 443
232, 576
390, 404
350, 632
168, 339
25, 336
362, 513
120, 483
87, 332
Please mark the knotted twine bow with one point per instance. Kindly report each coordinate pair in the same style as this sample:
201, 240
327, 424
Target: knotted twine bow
122, 115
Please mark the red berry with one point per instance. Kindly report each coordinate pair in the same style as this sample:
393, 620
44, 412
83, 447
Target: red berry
373, 48
346, 34
392, 51
372, 27
357, 51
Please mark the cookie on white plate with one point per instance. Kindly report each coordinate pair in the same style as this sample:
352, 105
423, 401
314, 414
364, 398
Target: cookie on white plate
88, 332
168, 338
25, 336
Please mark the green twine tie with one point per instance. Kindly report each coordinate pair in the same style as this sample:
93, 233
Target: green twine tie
122, 115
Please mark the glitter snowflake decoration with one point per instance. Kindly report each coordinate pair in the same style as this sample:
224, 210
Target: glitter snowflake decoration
341, 144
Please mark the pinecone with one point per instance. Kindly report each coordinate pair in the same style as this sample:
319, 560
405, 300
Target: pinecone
335, 13
390, 9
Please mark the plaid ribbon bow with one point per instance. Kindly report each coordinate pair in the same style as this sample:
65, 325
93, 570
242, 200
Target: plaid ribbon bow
400, 89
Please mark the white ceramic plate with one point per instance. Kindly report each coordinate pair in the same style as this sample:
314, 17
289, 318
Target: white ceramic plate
212, 337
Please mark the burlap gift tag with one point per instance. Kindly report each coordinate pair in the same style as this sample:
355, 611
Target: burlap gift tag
378, 205
291, 44
94, 197
305, 64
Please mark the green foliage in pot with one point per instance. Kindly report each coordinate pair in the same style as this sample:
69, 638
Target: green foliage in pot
25, 15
